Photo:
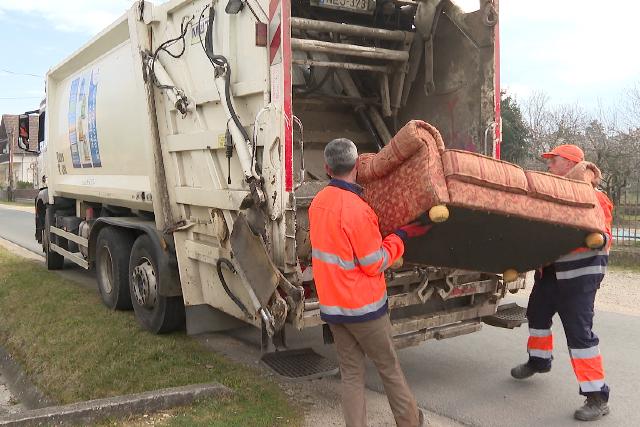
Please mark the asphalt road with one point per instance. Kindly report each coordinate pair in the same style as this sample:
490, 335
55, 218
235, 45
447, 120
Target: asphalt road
19, 227
467, 378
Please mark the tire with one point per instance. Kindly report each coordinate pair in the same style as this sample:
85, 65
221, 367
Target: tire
54, 260
113, 247
156, 313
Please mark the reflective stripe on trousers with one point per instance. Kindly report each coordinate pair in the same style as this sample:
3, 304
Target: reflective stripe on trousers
540, 343
587, 365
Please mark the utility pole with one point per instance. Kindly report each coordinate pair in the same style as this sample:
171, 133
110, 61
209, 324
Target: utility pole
10, 187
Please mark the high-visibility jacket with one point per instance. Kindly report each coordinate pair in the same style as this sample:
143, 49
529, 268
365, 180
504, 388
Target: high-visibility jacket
585, 265
349, 255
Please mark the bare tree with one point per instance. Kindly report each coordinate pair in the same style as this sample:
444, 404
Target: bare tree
550, 125
610, 136
617, 154
631, 107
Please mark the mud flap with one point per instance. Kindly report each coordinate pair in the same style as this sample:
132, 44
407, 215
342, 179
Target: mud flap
252, 260
260, 278
507, 316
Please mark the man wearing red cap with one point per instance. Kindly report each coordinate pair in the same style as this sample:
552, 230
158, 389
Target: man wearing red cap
568, 287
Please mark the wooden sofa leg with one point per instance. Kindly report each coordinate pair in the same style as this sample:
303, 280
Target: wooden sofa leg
510, 275
594, 240
439, 213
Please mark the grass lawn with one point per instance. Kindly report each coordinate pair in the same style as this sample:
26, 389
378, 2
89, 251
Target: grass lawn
75, 349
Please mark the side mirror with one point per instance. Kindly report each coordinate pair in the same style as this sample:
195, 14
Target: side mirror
23, 132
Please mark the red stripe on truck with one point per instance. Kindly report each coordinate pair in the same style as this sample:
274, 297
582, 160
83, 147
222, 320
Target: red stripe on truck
273, 5
288, 123
498, 117
274, 45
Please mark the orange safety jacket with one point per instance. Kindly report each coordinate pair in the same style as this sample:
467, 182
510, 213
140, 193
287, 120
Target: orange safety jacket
349, 255
585, 265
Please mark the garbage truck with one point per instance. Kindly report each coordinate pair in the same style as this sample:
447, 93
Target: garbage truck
185, 145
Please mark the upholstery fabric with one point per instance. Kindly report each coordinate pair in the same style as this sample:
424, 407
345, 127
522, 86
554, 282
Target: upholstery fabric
410, 165
475, 197
484, 171
561, 190
501, 216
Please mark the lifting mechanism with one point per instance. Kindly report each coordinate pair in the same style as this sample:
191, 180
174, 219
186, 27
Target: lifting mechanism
372, 70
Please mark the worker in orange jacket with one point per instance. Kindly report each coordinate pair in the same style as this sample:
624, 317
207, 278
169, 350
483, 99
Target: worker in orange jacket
568, 287
349, 259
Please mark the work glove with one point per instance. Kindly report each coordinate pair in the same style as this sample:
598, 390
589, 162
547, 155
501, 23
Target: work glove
414, 229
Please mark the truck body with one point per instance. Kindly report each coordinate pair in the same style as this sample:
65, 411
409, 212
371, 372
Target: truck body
185, 144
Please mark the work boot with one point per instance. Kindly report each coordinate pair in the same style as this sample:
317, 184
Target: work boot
594, 408
525, 370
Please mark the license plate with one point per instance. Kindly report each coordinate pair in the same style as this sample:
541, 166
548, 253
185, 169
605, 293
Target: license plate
359, 6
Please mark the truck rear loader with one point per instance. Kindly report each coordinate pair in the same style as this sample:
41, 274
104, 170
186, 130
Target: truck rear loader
184, 144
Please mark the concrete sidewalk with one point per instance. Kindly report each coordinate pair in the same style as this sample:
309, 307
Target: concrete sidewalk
15, 207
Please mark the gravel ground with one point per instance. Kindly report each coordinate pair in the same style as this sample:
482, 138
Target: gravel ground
619, 291
8, 403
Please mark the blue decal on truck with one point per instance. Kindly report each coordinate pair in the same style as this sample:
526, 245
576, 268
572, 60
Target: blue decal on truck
73, 135
93, 131
83, 132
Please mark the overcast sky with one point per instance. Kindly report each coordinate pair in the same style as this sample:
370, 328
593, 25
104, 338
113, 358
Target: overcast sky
575, 50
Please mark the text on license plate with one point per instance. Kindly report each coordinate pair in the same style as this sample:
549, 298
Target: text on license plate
347, 4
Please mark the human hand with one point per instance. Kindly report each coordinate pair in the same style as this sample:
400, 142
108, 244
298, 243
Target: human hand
414, 229
397, 264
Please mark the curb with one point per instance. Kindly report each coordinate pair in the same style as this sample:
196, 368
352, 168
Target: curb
20, 251
118, 407
29, 209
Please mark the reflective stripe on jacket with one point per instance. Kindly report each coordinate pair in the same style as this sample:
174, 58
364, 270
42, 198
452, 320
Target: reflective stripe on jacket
349, 255
588, 265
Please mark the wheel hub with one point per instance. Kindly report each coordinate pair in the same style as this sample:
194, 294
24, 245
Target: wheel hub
145, 288
107, 270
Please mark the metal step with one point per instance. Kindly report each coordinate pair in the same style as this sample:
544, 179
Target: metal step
507, 316
439, 333
300, 364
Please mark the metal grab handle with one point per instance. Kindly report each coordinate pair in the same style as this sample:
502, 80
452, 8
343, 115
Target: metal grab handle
491, 126
302, 170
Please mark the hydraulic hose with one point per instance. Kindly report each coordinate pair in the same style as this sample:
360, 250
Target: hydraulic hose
234, 298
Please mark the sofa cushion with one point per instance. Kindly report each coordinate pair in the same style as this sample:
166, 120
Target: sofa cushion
405, 178
415, 136
485, 171
560, 190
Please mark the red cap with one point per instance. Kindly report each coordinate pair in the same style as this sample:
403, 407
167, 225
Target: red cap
568, 151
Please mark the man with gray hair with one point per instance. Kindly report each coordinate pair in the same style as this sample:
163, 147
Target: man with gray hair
349, 259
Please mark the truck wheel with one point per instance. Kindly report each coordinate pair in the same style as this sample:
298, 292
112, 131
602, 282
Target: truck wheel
113, 247
156, 313
55, 261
